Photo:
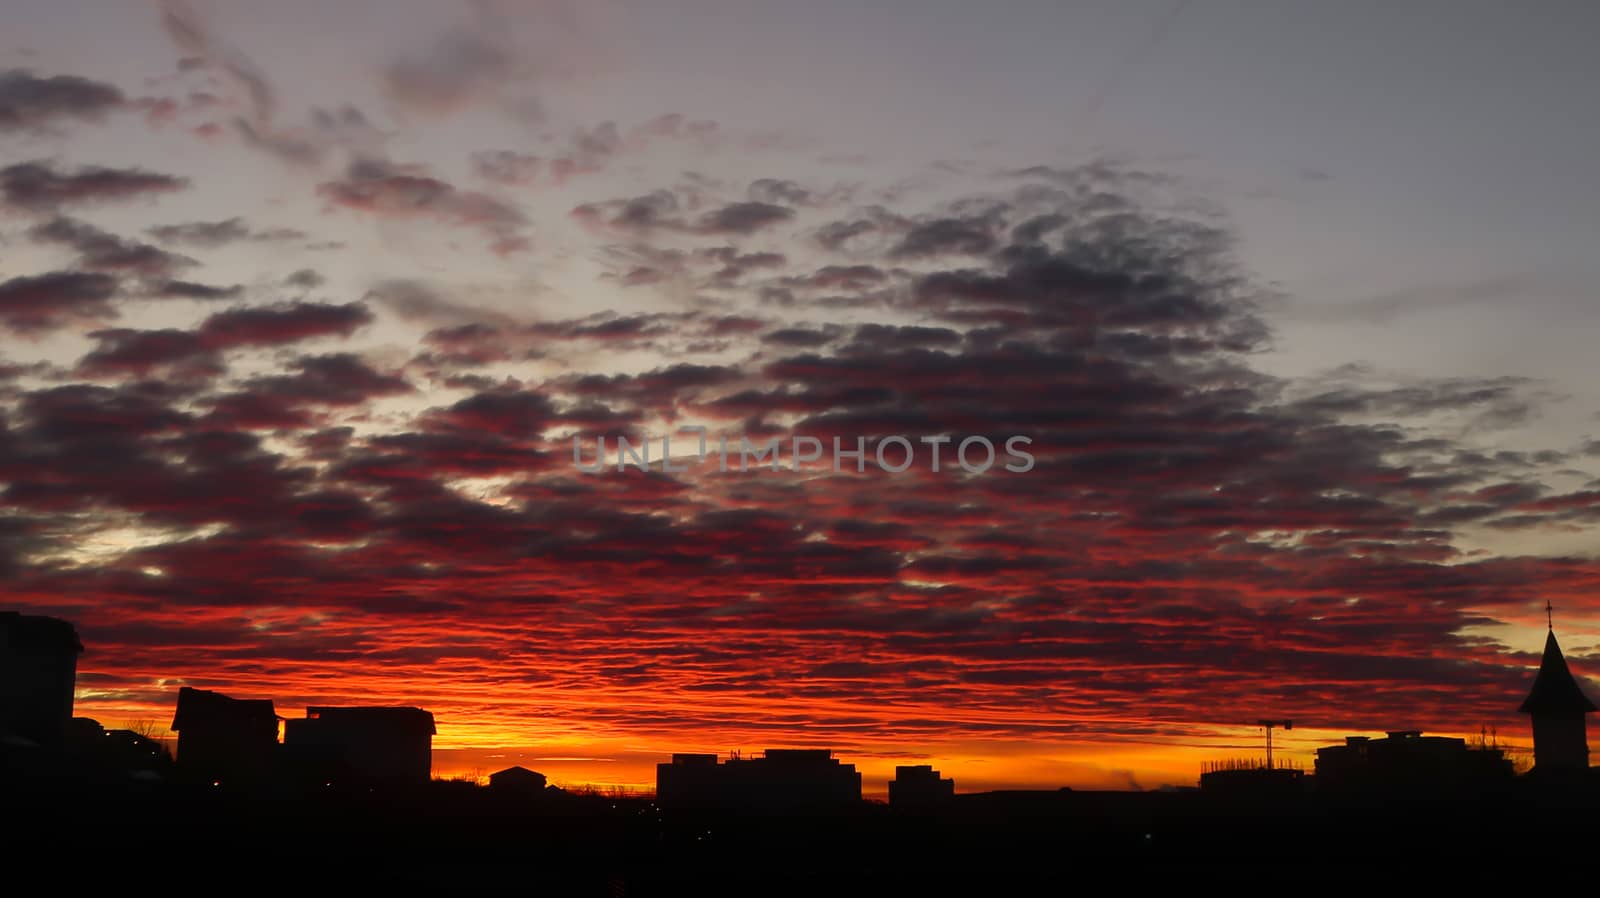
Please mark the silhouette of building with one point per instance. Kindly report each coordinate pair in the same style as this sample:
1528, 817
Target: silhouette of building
130, 751
84, 732
223, 739
1251, 778
1558, 708
389, 745
1016, 804
778, 778
1407, 761
919, 786
122, 753
38, 670
518, 781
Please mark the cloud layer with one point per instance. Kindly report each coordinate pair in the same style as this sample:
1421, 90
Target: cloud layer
360, 487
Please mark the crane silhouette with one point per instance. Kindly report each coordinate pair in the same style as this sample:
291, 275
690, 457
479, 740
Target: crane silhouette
1269, 724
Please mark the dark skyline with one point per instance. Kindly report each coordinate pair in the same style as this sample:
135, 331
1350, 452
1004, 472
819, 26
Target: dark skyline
347, 798
245, 746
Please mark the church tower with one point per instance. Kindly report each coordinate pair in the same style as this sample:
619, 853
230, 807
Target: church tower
1557, 706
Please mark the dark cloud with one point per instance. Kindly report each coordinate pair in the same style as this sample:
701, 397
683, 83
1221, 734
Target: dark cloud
639, 214
183, 354
40, 187
517, 414
1494, 402
1094, 292
389, 191
305, 279
102, 251
34, 305
1036, 228
208, 234
150, 267
731, 325
213, 234
282, 323
734, 266
172, 289
1184, 507
660, 390
947, 236
800, 337
469, 346
848, 278
607, 326
340, 379
246, 410
661, 210
743, 218
879, 337
30, 102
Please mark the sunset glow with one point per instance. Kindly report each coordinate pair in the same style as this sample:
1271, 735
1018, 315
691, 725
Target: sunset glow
303, 306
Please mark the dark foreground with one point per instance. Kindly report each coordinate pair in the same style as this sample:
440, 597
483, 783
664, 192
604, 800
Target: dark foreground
449, 838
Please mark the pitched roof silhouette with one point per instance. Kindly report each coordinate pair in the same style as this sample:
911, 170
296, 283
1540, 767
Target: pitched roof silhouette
517, 776
410, 718
517, 771
202, 706
1555, 690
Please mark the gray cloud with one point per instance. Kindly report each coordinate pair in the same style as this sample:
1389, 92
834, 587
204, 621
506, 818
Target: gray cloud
38, 186
30, 102
212, 234
40, 303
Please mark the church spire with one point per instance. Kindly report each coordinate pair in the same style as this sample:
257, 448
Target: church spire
1555, 690
1558, 708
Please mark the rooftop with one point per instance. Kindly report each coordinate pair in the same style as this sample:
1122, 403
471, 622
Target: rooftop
36, 631
1555, 690
373, 714
202, 706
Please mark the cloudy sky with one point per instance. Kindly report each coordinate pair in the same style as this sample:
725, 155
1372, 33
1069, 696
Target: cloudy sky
303, 306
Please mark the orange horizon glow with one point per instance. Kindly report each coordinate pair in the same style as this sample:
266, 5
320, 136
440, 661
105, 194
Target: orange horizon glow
629, 765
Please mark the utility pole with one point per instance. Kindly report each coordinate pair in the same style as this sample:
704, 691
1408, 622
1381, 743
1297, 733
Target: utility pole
1269, 724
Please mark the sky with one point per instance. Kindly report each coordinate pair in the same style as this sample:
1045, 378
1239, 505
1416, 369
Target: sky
304, 306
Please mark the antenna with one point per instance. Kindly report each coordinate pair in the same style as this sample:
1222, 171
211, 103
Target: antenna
1549, 614
1269, 724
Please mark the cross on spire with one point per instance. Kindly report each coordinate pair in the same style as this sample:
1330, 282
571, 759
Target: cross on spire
1549, 614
